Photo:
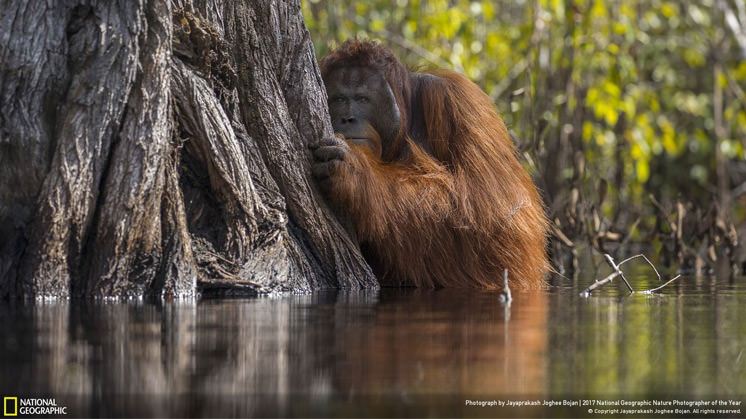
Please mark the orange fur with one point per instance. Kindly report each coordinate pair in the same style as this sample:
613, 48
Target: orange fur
455, 215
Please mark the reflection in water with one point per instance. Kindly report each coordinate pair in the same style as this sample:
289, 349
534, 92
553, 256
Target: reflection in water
446, 342
397, 352
689, 341
295, 355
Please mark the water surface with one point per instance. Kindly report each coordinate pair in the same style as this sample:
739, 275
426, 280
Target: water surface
387, 353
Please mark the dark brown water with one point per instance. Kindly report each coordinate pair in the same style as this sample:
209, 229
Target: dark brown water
388, 353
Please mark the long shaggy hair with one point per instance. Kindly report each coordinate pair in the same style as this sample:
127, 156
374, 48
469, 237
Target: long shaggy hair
448, 204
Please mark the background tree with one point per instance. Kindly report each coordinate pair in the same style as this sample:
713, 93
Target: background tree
156, 148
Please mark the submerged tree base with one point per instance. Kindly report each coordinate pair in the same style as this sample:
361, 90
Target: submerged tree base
156, 149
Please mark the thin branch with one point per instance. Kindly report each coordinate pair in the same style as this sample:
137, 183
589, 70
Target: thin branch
657, 288
561, 236
732, 21
734, 87
619, 271
513, 74
646, 260
598, 284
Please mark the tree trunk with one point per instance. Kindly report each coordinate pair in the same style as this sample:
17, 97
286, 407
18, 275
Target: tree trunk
150, 148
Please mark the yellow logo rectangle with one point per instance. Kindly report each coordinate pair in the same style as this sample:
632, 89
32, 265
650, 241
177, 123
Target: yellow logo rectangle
10, 406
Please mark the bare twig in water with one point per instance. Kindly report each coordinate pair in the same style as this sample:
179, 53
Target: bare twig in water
657, 288
618, 272
646, 260
505, 297
598, 284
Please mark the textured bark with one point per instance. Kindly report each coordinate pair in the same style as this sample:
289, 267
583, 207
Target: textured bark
151, 148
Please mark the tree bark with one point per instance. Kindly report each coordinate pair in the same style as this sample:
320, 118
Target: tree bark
159, 149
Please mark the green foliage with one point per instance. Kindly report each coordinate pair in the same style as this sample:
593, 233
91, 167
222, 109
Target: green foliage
626, 88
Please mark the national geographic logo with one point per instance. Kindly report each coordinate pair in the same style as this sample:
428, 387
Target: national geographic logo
15, 406
10, 406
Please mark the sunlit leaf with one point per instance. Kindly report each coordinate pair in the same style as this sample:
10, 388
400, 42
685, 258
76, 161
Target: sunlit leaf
377, 25
668, 10
642, 170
